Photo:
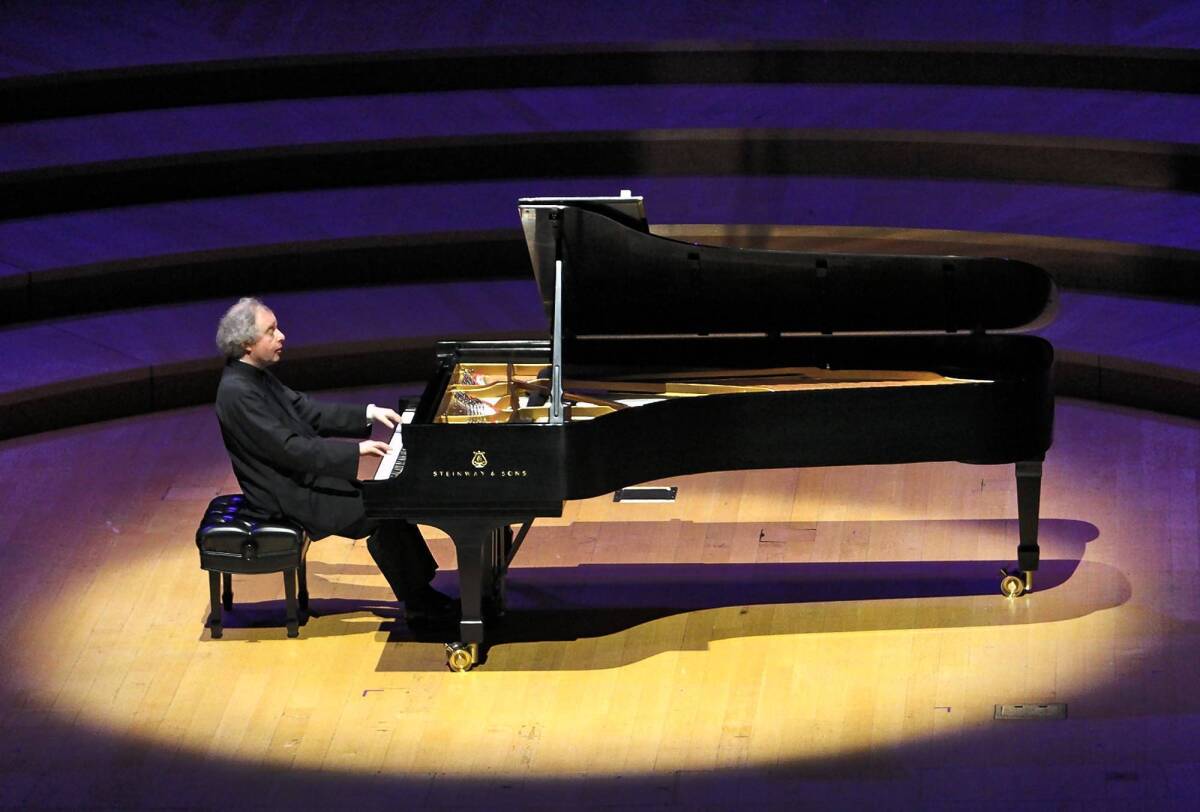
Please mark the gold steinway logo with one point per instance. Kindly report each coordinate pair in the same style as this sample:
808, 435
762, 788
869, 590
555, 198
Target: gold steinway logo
479, 461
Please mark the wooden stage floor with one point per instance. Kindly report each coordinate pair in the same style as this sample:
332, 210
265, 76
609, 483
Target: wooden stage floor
787, 639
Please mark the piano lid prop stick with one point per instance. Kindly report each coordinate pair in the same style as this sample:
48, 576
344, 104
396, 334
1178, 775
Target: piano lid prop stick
556, 413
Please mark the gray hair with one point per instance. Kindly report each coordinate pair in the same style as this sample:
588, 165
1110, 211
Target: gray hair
238, 327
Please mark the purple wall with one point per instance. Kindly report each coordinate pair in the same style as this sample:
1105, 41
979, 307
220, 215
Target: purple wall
45, 37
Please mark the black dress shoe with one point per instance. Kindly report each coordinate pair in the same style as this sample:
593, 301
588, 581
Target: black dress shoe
429, 605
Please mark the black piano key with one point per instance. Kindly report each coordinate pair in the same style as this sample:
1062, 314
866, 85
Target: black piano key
399, 466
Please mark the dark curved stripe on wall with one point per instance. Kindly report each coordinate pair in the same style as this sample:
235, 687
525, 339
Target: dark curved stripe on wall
14, 297
663, 153
441, 257
223, 82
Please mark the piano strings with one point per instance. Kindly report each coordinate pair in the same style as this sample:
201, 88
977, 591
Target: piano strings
504, 393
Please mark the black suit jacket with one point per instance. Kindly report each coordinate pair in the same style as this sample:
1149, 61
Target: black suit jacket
276, 438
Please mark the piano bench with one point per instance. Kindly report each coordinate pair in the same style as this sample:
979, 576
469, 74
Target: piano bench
231, 543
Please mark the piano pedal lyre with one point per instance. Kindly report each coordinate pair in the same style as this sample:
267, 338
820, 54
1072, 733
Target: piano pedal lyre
461, 656
1016, 584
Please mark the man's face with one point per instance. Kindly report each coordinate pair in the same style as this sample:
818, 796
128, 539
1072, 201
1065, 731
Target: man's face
267, 348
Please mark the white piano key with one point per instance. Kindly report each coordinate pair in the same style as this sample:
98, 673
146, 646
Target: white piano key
384, 471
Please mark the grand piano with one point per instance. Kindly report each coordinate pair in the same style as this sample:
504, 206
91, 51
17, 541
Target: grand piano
668, 358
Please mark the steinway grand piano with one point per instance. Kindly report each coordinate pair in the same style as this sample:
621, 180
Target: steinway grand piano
668, 358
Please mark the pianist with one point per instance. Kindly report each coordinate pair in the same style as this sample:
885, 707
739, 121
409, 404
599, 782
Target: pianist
286, 466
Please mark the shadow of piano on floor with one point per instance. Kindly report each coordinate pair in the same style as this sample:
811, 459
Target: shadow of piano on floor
606, 615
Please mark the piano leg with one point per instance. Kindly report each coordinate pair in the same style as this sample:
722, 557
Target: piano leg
483, 545
1029, 491
474, 542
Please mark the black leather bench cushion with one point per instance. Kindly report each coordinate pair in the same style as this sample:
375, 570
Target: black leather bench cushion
231, 542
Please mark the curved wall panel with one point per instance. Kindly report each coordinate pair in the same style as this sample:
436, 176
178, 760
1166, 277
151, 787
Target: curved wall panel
997, 110
48, 37
1138, 217
663, 153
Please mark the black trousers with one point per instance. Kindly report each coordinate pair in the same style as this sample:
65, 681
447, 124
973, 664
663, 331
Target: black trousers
399, 551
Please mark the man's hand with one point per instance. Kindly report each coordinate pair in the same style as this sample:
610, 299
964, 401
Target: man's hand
387, 417
373, 448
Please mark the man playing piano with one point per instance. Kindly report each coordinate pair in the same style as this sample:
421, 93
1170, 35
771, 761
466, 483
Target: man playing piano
287, 467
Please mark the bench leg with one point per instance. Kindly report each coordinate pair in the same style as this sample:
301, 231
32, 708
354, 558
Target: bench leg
214, 594
228, 599
289, 591
303, 586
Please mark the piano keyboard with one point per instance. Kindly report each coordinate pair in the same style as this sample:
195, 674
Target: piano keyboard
393, 463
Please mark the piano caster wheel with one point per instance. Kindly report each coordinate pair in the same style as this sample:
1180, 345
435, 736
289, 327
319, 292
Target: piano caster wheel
461, 656
1016, 584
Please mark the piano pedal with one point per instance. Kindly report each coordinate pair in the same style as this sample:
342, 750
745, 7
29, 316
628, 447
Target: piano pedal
1016, 583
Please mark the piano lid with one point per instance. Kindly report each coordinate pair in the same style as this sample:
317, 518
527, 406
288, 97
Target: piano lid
619, 280
539, 216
